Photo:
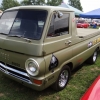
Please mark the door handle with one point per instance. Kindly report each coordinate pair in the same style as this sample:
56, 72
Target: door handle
68, 42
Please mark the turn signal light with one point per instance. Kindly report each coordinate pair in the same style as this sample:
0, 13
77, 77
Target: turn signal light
38, 82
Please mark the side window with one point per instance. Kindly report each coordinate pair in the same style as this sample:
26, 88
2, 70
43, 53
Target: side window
62, 25
59, 26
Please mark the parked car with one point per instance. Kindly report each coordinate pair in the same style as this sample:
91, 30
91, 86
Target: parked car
82, 24
93, 92
98, 22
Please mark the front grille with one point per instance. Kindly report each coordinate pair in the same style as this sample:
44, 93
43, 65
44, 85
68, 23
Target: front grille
15, 72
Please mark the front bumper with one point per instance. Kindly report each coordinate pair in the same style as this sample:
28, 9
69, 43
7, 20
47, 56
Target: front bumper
20, 75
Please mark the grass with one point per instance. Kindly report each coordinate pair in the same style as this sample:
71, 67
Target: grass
94, 28
79, 82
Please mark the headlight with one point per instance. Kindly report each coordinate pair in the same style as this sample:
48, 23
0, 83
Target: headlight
32, 67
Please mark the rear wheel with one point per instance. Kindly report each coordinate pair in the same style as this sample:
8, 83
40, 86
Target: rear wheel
93, 58
63, 79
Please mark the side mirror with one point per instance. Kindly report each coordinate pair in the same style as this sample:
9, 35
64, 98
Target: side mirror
60, 14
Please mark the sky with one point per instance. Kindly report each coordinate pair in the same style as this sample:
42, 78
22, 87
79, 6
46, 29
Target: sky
87, 5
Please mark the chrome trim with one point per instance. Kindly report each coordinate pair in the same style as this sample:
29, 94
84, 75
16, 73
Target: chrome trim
14, 70
23, 76
27, 67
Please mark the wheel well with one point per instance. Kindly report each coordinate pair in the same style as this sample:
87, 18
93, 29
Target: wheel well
98, 48
70, 65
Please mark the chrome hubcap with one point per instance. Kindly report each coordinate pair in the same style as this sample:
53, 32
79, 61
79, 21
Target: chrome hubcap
63, 78
95, 56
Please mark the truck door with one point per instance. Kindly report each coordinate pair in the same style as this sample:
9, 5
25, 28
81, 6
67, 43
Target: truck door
59, 34
57, 43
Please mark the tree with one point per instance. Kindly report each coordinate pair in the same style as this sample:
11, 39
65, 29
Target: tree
76, 4
26, 2
8, 4
54, 2
33, 2
41, 2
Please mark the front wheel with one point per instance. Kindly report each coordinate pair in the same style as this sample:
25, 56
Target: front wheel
63, 79
93, 58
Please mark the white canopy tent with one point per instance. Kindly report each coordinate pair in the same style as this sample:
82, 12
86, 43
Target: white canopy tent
77, 12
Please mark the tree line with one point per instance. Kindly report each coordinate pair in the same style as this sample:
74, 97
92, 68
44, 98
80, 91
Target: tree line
13, 3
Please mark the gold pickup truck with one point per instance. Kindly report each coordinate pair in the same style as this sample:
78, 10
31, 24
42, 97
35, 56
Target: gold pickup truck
40, 45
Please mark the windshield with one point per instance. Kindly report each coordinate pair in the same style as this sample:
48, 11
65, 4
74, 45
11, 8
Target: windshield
6, 21
25, 23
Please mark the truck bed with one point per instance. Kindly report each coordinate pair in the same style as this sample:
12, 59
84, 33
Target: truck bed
87, 33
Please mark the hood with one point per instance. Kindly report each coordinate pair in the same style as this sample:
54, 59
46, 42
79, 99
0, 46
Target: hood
20, 45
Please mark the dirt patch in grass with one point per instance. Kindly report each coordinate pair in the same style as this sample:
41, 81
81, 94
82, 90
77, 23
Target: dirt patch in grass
95, 68
1, 94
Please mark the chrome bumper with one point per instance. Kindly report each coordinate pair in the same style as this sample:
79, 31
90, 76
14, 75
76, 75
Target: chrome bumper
15, 72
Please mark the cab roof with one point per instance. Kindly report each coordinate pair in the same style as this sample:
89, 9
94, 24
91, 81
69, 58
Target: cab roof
53, 8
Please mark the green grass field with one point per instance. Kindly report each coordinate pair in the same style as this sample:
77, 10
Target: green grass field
79, 82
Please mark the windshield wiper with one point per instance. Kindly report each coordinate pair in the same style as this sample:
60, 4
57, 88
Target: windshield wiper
3, 33
20, 36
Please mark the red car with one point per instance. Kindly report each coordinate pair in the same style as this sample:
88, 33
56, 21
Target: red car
82, 24
93, 92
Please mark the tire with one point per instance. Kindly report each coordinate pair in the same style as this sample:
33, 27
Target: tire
63, 79
93, 58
